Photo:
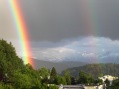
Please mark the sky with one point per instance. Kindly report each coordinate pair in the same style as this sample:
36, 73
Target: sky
66, 30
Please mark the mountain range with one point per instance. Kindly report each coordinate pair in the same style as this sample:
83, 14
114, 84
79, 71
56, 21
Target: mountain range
60, 66
95, 69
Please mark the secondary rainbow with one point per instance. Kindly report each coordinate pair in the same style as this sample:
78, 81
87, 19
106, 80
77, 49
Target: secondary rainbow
22, 32
90, 18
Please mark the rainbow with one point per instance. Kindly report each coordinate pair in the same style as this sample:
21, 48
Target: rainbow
22, 31
88, 12
91, 22
90, 16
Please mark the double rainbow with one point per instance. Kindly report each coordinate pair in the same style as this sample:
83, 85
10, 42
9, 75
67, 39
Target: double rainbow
88, 13
22, 30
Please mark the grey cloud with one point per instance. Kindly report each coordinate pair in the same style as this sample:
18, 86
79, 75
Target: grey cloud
7, 29
54, 20
103, 50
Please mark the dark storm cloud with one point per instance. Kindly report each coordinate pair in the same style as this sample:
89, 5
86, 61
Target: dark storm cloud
54, 20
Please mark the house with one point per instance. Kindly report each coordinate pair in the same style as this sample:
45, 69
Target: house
109, 77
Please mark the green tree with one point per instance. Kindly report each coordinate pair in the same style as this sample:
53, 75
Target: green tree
82, 79
44, 72
20, 80
98, 81
53, 73
9, 61
60, 80
115, 84
13, 73
5, 86
44, 75
67, 77
85, 78
52, 87
73, 80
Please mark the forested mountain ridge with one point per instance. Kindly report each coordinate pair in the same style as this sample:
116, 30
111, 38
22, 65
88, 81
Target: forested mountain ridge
96, 69
60, 66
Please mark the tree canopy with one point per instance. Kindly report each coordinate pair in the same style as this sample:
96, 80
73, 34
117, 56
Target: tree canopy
14, 74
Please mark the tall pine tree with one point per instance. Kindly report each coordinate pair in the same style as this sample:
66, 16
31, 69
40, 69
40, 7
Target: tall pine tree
53, 73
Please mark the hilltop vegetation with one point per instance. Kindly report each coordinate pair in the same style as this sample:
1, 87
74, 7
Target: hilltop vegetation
96, 70
14, 74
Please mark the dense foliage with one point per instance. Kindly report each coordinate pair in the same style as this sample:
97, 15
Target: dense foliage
115, 84
14, 74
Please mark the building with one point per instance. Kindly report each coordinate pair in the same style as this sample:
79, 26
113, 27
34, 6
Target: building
81, 87
109, 77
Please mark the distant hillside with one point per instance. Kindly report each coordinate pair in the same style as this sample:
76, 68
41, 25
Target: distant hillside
96, 69
60, 66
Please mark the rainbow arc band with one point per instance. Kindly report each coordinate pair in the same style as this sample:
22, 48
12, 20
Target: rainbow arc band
22, 31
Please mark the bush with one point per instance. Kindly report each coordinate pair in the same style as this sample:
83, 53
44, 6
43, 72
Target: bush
5, 86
